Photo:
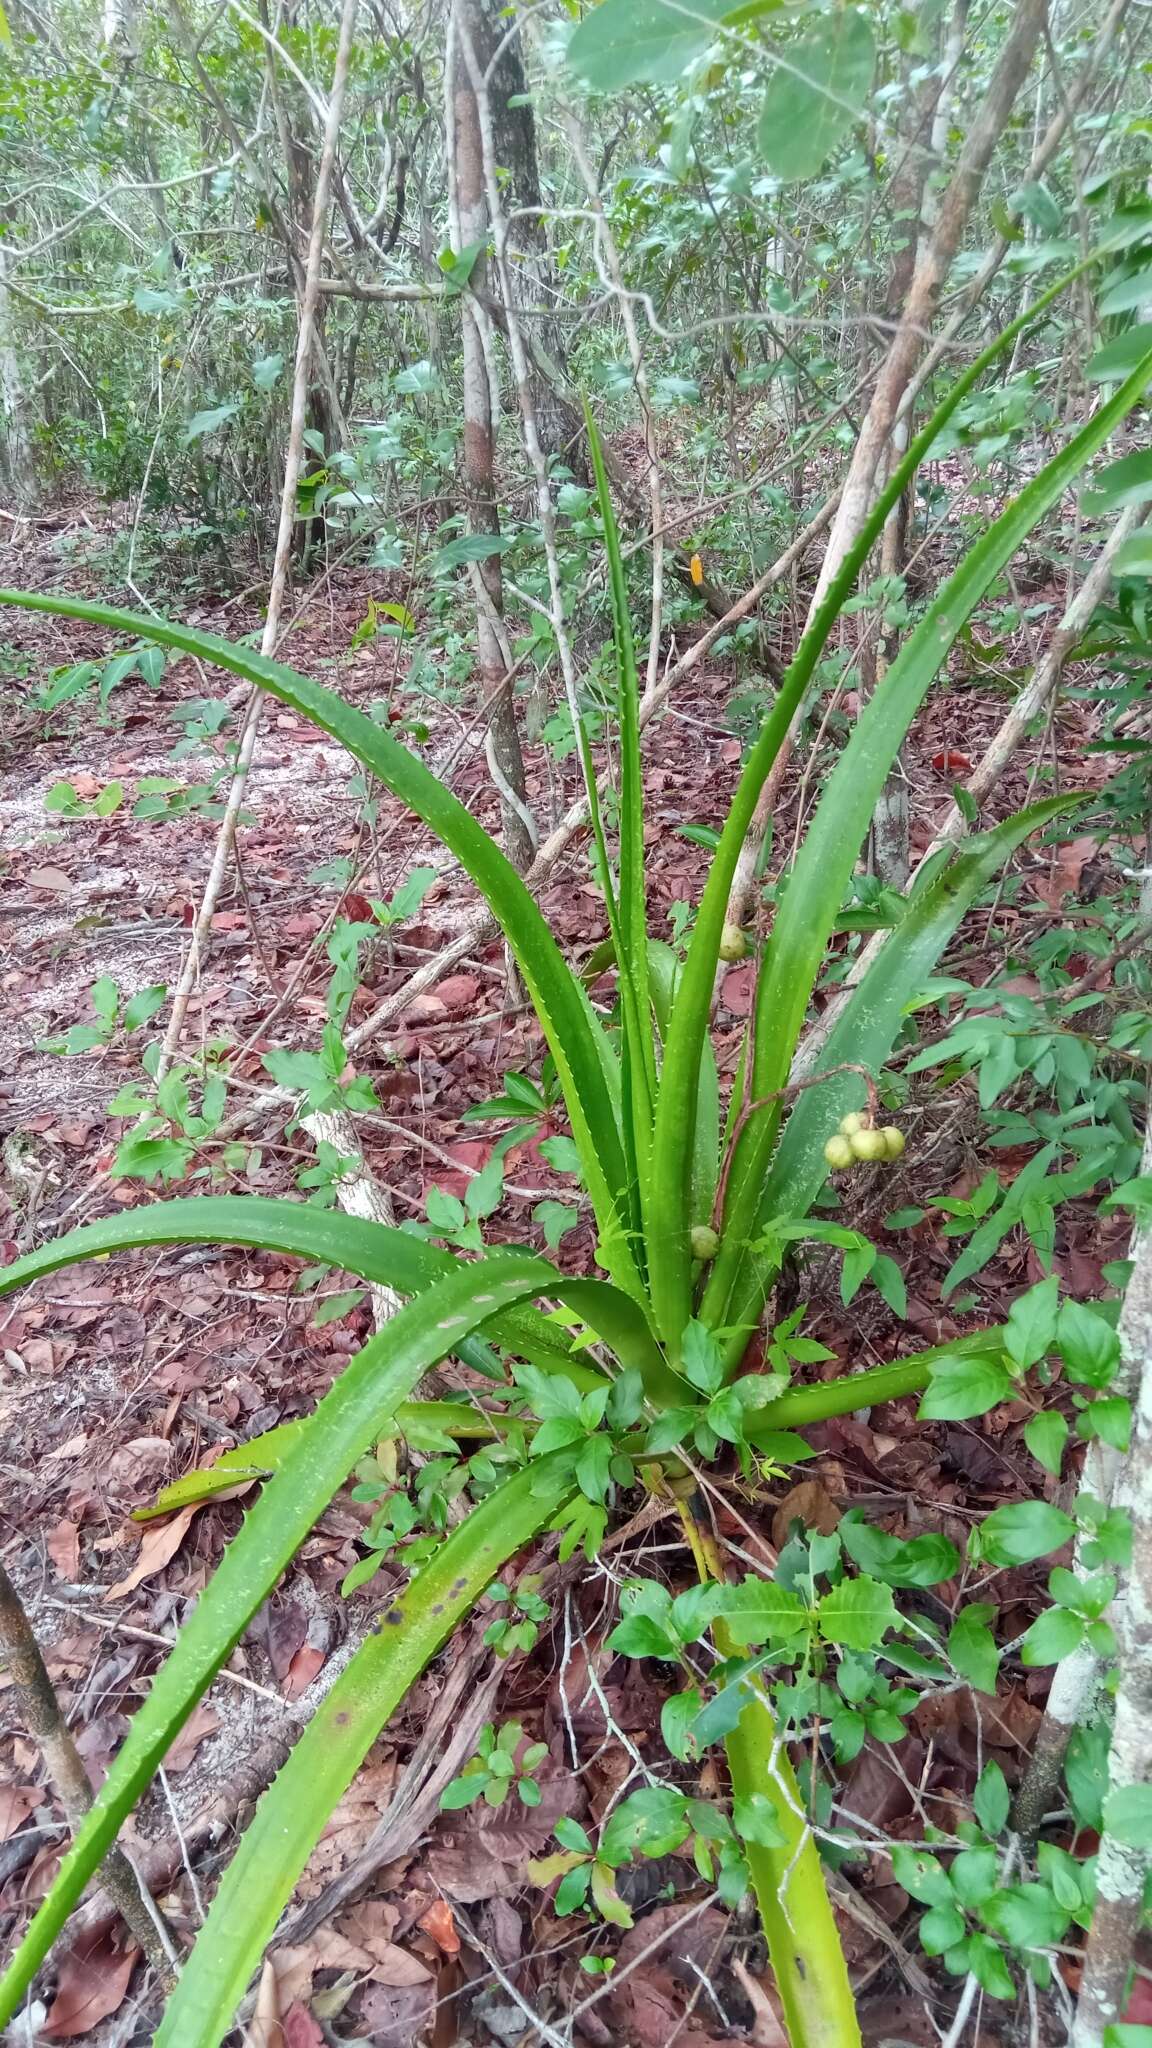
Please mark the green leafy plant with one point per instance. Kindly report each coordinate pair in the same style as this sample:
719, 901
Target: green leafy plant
672, 1330
503, 1763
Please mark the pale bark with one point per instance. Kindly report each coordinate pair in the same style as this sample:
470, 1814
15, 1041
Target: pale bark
1122, 1870
470, 225
18, 479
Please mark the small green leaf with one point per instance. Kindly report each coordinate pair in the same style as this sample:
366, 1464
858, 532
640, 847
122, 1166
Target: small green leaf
1046, 1436
857, 1614
963, 1387
1088, 1345
1128, 1815
941, 1928
1019, 1533
1053, 1634
624, 42
990, 1800
1118, 358
1030, 1332
972, 1647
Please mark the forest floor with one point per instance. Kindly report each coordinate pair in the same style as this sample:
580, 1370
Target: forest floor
117, 1378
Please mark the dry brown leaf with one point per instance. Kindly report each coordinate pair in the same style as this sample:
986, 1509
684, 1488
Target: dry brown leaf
766, 2030
809, 1502
92, 1984
202, 1722
64, 1549
301, 2029
439, 1921
16, 1803
52, 879
264, 2029
158, 1547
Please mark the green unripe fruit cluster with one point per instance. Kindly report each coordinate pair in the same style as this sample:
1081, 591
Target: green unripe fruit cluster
859, 1140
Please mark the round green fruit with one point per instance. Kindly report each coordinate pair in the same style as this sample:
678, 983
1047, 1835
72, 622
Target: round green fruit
733, 943
893, 1141
839, 1154
705, 1242
868, 1145
852, 1123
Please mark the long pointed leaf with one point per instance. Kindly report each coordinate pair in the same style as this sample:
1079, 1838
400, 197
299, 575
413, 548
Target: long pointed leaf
822, 872
373, 1252
673, 1143
584, 1060
346, 1421
293, 1812
352, 1244
866, 1028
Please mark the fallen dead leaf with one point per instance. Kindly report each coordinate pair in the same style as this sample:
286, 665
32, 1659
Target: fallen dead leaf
16, 1803
202, 1722
52, 879
264, 2029
64, 1549
159, 1545
301, 2029
808, 1502
766, 2030
92, 1984
440, 1923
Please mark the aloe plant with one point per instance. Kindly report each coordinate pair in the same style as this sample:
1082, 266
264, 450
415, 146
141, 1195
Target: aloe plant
644, 1110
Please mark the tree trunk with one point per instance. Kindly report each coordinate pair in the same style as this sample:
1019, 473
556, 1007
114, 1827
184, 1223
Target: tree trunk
18, 478
497, 44
470, 224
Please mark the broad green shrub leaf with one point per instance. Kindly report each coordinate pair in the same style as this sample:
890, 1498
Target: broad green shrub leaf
1020, 1533
990, 1801
857, 1614
818, 91
1117, 359
1134, 556
1046, 1436
962, 1387
1088, 1345
758, 1611
624, 42
202, 423
898, 1561
1030, 1332
1127, 482
1128, 1815
972, 1646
